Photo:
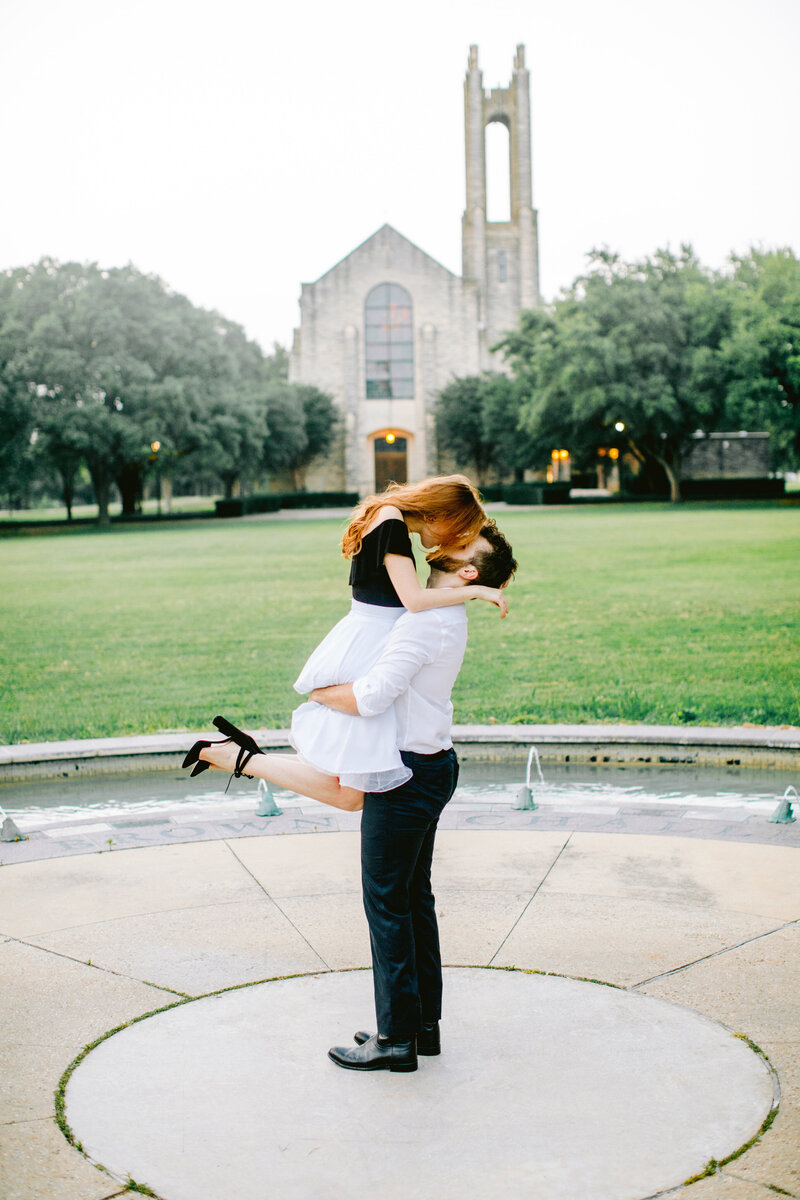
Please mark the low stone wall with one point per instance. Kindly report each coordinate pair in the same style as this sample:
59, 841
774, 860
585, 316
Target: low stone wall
661, 745
739, 455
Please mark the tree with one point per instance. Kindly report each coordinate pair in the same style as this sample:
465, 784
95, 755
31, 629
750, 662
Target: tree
321, 421
514, 449
82, 370
61, 440
108, 441
235, 433
17, 401
17, 441
301, 421
478, 422
763, 350
104, 364
276, 365
631, 345
459, 424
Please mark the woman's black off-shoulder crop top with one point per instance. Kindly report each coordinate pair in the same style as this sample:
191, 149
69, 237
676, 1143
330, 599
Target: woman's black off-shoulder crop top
369, 578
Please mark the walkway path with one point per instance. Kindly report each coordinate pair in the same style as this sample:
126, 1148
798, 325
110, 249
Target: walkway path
91, 941
254, 943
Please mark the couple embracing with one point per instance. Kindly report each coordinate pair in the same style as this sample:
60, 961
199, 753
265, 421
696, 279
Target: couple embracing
375, 734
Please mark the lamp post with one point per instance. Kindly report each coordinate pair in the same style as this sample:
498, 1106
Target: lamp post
617, 452
155, 447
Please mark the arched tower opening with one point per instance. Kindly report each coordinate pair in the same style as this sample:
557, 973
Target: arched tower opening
498, 171
501, 257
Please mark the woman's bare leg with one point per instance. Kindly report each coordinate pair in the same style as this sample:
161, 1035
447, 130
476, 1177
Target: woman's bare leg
288, 771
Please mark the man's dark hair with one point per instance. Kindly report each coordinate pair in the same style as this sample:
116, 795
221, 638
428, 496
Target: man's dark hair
496, 566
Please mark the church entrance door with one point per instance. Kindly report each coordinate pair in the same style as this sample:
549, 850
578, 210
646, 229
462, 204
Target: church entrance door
391, 461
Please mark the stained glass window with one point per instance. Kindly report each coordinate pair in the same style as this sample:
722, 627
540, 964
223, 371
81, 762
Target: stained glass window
389, 338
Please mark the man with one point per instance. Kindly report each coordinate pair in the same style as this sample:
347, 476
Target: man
416, 673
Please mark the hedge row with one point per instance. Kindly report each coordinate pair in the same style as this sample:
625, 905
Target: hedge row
527, 493
273, 501
511, 493
732, 489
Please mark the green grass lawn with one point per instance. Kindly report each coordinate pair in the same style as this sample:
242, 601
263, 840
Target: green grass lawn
634, 613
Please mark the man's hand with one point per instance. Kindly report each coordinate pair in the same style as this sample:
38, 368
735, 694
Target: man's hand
338, 696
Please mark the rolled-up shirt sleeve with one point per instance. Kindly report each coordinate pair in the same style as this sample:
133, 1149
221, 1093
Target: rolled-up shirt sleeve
413, 642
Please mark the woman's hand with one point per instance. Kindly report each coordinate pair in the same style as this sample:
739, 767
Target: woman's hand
493, 596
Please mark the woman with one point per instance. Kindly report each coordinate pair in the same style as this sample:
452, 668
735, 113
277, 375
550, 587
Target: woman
339, 757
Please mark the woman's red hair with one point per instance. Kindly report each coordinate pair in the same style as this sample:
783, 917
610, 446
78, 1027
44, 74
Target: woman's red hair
449, 501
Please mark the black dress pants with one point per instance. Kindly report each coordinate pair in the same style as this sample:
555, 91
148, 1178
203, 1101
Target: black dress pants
398, 830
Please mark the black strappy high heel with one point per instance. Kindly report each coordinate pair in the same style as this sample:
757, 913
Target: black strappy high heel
193, 757
248, 746
237, 735
242, 759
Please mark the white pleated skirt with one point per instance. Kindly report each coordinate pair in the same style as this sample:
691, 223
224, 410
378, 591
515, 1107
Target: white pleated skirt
361, 751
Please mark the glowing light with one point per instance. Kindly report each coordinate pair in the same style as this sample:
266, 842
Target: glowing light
155, 447
390, 438
620, 425
563, 454
613, 452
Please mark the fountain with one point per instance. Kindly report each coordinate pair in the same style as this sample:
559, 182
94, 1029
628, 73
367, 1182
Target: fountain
525, 798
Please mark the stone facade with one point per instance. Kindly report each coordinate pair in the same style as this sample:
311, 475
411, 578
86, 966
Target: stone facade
451, 320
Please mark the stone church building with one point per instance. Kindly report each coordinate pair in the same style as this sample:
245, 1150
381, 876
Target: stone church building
388, 327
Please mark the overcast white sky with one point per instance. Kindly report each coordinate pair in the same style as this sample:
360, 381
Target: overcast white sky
238, 149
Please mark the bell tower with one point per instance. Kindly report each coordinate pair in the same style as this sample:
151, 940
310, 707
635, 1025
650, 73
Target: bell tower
501, 258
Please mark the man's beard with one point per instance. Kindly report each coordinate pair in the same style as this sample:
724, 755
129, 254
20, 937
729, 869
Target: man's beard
446, 565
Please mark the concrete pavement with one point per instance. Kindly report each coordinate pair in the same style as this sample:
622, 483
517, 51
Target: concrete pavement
700, 938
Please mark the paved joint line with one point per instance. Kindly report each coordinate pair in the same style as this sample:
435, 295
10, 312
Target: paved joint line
132, 916
773, 1190
25, 1121
714, 954
673, 1191
106, 970
284, 914
530, 902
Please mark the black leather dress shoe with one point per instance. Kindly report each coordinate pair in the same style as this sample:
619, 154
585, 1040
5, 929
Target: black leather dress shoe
428, 1040
376, 1054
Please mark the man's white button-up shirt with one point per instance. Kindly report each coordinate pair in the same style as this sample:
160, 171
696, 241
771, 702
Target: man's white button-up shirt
416, 672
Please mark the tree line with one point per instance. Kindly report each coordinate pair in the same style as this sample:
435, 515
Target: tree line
108, 377
110, 374
637, 357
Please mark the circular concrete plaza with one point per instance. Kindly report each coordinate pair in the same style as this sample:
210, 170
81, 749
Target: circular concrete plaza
547, 1086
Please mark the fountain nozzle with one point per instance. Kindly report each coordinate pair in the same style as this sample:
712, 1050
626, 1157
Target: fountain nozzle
525, 798
266, 801
783, 813
9, 831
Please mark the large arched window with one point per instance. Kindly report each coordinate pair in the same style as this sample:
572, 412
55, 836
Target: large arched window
389, 342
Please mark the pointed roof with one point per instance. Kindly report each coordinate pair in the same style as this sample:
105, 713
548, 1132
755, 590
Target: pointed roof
389, 236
